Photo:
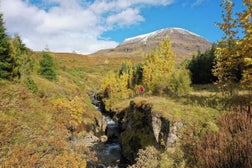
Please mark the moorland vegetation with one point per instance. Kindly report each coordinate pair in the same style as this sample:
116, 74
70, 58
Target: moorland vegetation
44, 103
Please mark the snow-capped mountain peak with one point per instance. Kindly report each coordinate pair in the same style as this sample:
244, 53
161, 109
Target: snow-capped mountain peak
184, 43
167, 32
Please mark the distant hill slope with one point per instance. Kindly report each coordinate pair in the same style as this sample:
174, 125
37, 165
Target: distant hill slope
184, 43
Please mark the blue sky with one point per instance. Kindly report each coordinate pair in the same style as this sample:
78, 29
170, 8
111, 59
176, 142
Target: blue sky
86, 26
200, 19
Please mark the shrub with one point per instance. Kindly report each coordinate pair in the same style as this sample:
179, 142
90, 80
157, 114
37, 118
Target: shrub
230, 147
179, 83
172, 158
147, 158
31, 85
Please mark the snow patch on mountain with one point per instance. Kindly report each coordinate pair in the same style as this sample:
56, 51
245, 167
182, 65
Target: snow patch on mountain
183, 31
144, 37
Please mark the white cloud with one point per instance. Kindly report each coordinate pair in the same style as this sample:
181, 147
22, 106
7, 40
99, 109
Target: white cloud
127, 17
197, 3
71, 25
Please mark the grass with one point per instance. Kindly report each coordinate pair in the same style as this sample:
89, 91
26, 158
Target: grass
172, 109
199, 110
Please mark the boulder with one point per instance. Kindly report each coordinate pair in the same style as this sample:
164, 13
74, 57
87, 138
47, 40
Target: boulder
103, 138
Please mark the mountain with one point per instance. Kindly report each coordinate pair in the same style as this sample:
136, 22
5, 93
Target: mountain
184, 43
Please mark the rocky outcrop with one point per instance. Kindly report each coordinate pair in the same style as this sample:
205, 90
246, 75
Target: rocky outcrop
137, 127
141, 127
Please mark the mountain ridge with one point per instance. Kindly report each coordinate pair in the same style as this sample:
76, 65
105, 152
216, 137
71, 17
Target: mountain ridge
155, 33
184, 43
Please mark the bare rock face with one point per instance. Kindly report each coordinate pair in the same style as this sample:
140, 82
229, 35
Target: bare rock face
101, 124
161, 129
184, 44
141, 127
156, 124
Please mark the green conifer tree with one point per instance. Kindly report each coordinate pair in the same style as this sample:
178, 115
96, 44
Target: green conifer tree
47, 67
201, 67
7, 63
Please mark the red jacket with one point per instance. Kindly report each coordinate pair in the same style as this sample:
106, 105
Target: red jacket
140, 89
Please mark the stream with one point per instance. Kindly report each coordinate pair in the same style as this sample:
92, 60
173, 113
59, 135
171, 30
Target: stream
109, 152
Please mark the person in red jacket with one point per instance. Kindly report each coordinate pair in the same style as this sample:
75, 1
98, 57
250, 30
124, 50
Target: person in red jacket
140, 90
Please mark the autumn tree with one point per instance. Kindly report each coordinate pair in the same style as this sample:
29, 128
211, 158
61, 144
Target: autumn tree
115, 87
245, 44
155, 74
157, 68
227, 60
22, 55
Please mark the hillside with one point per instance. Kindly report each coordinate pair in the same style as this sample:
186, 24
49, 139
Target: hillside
36, 124
40, 118
184, 43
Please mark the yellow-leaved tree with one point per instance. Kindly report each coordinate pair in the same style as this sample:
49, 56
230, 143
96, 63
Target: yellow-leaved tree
227, 68
245, 44
115, 87
234, 54
158, 67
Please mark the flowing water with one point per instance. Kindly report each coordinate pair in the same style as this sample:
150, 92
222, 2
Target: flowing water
110, 151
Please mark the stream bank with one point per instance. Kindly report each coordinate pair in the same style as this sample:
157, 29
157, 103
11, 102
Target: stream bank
138, 127
108, 147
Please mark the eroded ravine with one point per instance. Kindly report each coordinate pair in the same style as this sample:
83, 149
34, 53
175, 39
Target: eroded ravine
108, 150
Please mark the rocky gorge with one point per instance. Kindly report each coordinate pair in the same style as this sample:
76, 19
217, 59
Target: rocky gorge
137, 127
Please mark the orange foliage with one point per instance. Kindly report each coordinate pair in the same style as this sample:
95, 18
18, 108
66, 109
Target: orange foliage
74, 109
33, 131
230, 147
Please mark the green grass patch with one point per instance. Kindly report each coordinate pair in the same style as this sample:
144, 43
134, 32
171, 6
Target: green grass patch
174, 110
